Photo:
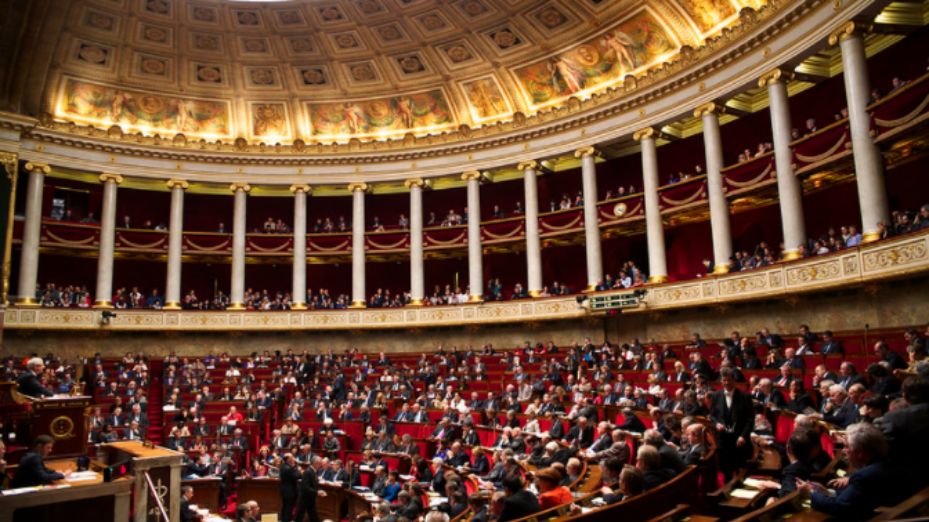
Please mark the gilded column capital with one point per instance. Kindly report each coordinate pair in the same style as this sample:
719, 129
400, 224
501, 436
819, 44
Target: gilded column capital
357, 186
526, 165
774, 76
178, 183
850, 29
471, 174
648, 133
109, 177
300, 188
583, 152
709, 108
10, 161
38, 166
414, 182
240, 187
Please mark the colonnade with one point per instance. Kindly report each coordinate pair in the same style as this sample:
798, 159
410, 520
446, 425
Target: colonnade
868, 164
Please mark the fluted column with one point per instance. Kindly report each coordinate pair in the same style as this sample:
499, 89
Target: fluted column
107, 241
654, 226
298, 293
358, 190
175, 244
530, 171
790, 193
719, 206
475, 250
869, 165
417, 270
32, 227
588, 157
237, 289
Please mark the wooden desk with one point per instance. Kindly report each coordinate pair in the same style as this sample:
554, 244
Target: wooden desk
267, 492
92, 499
163, 467
206, 492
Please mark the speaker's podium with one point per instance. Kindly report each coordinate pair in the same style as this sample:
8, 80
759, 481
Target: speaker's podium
66, 419
156, 476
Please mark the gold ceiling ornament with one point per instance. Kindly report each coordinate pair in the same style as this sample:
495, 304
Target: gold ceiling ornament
583, 152
709, 108
357, 186
240, 187
526, 165
850, 29
177, 183
776, 75
109, 177
648, 133
471, 174
32, 165
300, 188
415, 182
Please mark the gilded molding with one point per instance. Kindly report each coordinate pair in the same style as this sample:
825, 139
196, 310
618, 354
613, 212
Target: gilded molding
240, 187
709, 108
31, 166
300, 188
471, 174
178, 183
850, 29
583, 152
109, 177
357, 186
526, 165
414, 182
648, 133
774, 76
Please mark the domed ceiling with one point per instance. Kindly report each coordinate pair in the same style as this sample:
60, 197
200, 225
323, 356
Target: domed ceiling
324, 71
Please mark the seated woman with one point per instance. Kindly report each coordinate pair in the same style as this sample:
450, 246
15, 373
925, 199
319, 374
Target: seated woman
393, 486
481, 465
800, 401
551, 492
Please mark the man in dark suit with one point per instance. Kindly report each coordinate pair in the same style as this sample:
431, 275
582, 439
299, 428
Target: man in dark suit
187, 514
907, 430
732, 412
842, 411
694, 452
289, 477
133, 432
478, 504
799, 451
849, 376
519, 503
582, 434
309, 490
28, 383
631, 423
878, 482
771, 396
829, 345
32, 470
457, 457
669, 456
649, 461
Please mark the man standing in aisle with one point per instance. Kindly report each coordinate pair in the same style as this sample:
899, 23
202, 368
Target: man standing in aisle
309, 490
733, 415
289, 477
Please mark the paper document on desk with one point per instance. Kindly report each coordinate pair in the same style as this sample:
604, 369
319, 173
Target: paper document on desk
72, 478
19, 491
755, 483
743, 493
92, 474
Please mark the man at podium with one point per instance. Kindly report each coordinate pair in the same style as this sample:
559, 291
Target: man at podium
29, 383
32, 470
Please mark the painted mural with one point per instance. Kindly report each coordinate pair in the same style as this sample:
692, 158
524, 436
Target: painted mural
708, 14
628, 48
100, 104
485, 99
416, 113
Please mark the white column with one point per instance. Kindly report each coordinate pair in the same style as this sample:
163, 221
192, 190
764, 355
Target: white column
175, 244
32, 227
789, 191
237, 290
475, 250
719, 206
588, 157
107, 241
654, 226
298, 293
869, 165
359, 298
417, 259
530, 171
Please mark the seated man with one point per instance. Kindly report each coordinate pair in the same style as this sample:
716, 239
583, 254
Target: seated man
32, 470
28, 383
649, 461
876, 483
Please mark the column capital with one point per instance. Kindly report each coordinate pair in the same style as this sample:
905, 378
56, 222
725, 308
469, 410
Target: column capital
32, 165
850, 29
414, 182
709, 108
471, 174
357, 186
240, 187
109, 177
583, 152
776, 75
648, 133
527, 165
178, 183
300, 188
